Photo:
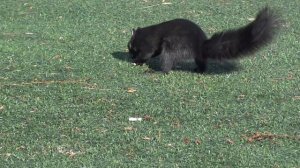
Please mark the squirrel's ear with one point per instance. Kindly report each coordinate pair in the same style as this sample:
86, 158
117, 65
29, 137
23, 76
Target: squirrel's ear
133, 32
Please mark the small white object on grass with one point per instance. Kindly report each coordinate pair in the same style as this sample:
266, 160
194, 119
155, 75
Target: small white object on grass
135, 119
251, 19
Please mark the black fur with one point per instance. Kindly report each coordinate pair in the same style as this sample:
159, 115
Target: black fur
181, 39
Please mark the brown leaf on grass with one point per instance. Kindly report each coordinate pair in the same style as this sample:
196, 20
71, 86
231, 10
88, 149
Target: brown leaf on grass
146, 138
289, 76
92, 86
70, 153
57, 57
241, 97
21, 147
258, 136
186, 140
129, 128
147, 118
68, 68
198, 142
176, 124
217, 126
131, 90
230, 141
76, 129
294, 98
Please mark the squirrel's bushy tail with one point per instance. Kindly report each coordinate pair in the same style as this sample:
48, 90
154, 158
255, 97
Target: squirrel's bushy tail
240, 42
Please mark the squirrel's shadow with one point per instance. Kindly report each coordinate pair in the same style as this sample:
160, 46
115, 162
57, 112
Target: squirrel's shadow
213, 67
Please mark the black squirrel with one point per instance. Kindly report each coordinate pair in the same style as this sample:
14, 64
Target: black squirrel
181, 39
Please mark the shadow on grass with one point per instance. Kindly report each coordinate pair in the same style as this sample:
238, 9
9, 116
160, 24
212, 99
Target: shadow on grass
213, 67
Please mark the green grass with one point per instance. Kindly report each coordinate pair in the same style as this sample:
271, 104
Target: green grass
64, 83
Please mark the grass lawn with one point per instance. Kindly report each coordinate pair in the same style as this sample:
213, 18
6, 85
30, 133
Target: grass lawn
67, 89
